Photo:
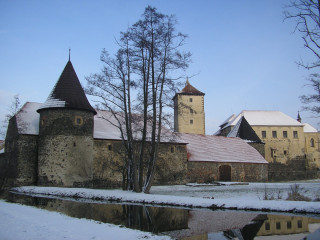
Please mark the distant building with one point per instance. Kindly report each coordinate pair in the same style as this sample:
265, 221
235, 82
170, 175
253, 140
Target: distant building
289, 142
65, 142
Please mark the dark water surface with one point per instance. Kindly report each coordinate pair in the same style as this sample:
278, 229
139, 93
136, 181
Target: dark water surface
183, 223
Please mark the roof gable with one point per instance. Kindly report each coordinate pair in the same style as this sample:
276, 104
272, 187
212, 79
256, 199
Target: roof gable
68, 92
244, 131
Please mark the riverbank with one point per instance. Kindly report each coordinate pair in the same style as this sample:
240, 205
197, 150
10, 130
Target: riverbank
236, 197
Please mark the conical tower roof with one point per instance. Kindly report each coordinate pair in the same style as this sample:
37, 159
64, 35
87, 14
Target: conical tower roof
68, 92
189, 90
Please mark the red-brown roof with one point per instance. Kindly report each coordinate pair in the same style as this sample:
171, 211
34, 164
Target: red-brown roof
189, 90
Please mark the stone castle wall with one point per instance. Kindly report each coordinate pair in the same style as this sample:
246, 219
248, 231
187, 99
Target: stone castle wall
296, 169
206, 172
108, 164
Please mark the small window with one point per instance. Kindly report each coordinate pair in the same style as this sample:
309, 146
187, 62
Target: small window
273, 152
289, 226
191, 121
191, 110
264, 134
311, 142
190, 99
278, 225
299, 223
78, 120
274, 134
295, 134
43, 121
285, 152
285, 134
110, 147
172, 149
267, 226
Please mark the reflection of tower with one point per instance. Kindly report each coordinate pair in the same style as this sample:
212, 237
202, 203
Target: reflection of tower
189, 116
65, 151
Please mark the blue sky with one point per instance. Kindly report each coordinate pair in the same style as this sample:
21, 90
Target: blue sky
243, 53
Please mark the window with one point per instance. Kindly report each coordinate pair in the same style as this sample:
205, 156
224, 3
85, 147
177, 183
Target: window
172, 149
267, 226
190, 99
78, 120
311, 142
285, 152
274, 134
273, 152
43, 121
109, 147
295, 134
191, 110
289, 225
285, 134
264, 134
278, 225
191, 121
299, 223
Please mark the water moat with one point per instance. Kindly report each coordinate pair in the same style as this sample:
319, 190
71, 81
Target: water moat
182, 223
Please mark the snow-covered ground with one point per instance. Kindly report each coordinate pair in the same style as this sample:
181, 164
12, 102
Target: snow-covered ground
19, 222
231, 196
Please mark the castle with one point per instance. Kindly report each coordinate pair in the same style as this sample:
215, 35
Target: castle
66, 142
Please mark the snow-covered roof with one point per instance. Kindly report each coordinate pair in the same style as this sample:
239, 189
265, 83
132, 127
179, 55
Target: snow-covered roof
228, 120
265, 118
105, 125
208, 148
307, 128
28, 119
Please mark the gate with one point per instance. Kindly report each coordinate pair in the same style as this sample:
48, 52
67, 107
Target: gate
225, 173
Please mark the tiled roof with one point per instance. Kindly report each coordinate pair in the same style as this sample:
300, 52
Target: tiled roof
208, 148
189, 90
68, 92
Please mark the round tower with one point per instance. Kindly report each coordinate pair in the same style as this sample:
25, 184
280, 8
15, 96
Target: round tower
65, 151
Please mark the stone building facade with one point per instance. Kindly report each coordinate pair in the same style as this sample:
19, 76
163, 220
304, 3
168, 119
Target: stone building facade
291, 147
65, 142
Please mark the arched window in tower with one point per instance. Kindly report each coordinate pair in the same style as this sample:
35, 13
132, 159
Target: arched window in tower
311, 142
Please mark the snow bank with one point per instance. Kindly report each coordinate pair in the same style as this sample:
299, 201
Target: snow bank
131, 197
18, 222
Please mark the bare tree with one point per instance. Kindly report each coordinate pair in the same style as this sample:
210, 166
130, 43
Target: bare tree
149, 56
306, 14
312, 101
12, 110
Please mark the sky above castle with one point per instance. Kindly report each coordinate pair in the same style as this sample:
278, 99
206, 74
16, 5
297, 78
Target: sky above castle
244, 54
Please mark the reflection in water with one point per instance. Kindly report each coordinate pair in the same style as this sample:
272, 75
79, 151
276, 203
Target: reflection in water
182, 223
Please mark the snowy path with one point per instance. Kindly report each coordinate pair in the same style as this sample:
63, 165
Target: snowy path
19, 222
